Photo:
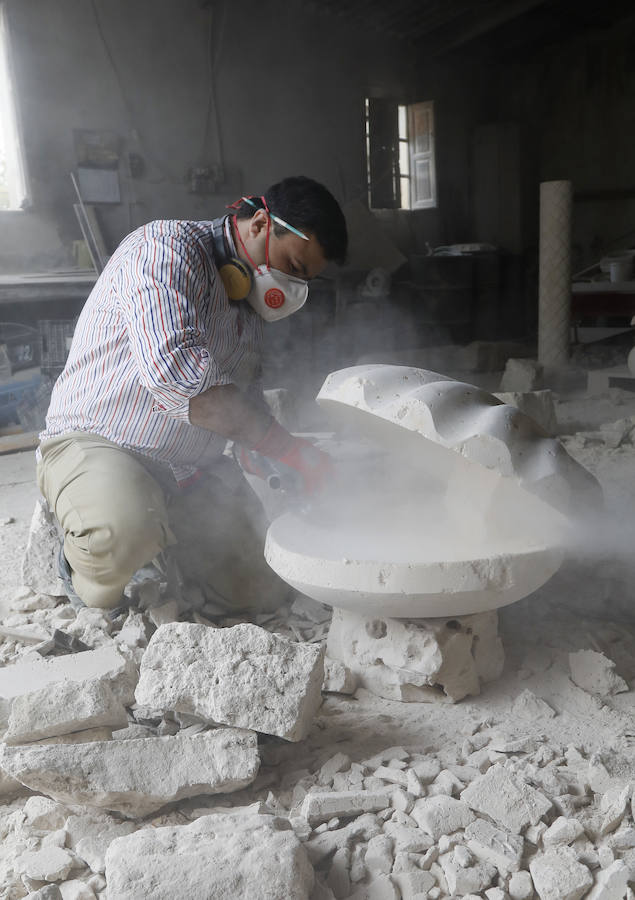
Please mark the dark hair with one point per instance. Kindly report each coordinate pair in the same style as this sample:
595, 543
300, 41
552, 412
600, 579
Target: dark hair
305, 203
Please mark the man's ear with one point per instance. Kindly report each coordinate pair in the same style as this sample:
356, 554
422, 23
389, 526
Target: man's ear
257, 223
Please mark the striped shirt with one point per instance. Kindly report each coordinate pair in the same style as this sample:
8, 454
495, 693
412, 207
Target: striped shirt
157, 329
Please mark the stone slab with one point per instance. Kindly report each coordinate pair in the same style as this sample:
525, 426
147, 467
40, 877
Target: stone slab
242, 676
595, 672
106, 662
510, 802
137, 777
491, 845
558, 875
62, 708
242, 857
342, 804
441, 815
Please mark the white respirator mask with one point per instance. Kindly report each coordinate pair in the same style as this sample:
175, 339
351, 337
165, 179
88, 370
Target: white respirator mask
274, 294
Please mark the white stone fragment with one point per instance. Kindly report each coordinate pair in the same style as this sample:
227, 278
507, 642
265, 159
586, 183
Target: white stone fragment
224, 855
365, 827
337, 763
25, 600
55, 838
510, 802
76, 890
133, 632
610, 883
379, 855
48, 864
90, 835
338, 678
39, 563
339, 879
520, 886
317, 807
164, 614
407, 839
538, 405
462, 856
441, 815
242, 676
534, 833
595, 672
62, 708
426, 768
44, 814
380, 888
137, 777
414, 785
461, 880
527, 705
495, 894
9, 787
392, 776
562, 831
557, 875
413, 885
613, 807
491, 845
447, 783
104, 663
623, 838
521, 375
403, 801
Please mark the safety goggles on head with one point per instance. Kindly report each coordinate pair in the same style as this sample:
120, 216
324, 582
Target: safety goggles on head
274, 294
276, 219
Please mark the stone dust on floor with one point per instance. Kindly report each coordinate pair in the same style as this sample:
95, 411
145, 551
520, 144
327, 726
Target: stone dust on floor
174, 759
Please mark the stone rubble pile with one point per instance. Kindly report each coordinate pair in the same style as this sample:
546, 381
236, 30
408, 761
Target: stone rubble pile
148, 766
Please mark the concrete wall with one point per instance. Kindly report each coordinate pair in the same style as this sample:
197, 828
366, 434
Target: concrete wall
578, 97
289, 86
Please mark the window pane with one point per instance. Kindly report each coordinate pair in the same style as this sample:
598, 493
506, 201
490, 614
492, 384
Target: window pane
403, 123
383, 159
423, 180
404, 184
404, 158
422, 127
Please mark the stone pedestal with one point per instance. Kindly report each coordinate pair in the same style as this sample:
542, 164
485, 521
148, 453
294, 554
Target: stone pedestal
424, 660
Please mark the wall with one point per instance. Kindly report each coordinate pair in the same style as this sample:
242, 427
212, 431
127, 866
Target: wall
579, 98
289, 86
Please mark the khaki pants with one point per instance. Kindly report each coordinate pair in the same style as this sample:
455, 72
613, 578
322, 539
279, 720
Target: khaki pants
117, 512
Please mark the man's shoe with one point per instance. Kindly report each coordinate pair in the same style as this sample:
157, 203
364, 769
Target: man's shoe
64, 572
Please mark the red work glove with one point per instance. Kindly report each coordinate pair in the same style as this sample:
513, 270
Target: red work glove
315, 466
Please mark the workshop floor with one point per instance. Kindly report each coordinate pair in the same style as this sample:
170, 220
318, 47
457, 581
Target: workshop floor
566, 615
589, 605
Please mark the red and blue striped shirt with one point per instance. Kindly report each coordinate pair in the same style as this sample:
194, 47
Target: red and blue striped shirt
157, 329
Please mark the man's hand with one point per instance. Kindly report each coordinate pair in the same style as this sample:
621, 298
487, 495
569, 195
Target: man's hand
315, 466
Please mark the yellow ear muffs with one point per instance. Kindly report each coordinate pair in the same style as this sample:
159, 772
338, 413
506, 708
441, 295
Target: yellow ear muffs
236, 278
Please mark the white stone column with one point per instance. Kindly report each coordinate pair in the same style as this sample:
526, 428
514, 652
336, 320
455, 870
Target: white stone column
555, 273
